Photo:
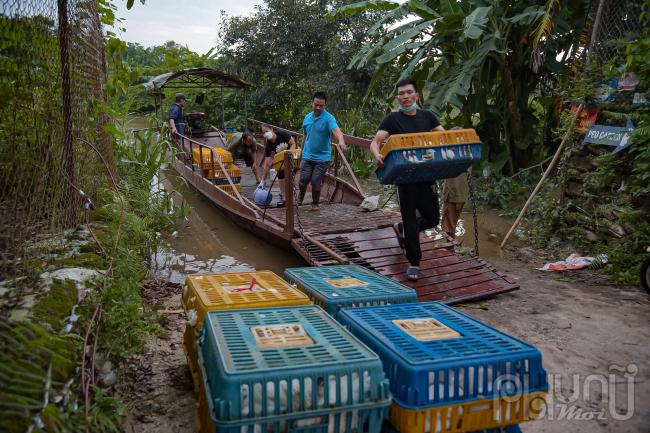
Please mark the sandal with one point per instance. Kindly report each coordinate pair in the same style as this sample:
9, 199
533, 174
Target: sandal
412, 273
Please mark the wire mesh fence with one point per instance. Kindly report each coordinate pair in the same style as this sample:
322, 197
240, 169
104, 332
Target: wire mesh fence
52, 143
616, 22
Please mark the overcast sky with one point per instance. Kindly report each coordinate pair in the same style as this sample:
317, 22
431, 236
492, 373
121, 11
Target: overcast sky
192, 23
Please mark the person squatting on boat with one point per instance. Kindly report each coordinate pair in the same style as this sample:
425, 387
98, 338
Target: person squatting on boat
242, 145
276, 141
413, 198
175, 115
318, 127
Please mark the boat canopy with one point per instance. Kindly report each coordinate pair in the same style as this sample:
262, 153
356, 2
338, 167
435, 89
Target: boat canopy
199, 78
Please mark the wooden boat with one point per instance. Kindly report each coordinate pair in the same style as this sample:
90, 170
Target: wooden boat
341, 232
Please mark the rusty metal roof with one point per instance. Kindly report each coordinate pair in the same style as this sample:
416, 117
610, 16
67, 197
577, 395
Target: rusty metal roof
200, 78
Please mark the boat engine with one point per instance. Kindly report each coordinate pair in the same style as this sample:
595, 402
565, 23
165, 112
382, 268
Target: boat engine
195, 122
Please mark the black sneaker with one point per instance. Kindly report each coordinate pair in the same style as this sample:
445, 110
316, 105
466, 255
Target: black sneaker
280, 203
399, 233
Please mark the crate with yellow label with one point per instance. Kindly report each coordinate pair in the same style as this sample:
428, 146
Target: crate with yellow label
336, 287
287, 369
449, 372
208, 292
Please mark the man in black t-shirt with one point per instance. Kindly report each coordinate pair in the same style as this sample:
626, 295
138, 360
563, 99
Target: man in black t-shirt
416, 197
276, 141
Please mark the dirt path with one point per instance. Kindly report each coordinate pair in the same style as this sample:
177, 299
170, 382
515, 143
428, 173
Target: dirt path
587, 329
156, 383
584, 325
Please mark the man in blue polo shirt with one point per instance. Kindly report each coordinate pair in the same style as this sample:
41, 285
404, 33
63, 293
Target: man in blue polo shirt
318, 127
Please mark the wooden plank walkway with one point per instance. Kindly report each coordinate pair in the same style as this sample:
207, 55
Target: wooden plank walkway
368, 239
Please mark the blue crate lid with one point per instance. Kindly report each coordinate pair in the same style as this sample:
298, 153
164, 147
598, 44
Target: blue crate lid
333, 287
235, 353
477, 362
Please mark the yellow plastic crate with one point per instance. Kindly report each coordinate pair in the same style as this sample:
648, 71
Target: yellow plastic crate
466, 417
203, 421
278, 159
201, 156
217, 173
429, 139
228, 189
229, 291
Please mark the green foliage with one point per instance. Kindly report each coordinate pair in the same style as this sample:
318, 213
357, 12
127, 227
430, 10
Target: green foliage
105, 415
56, 304
32, 360
88, 258
480, 63
625, 258
135, 216
506, 193
286, 69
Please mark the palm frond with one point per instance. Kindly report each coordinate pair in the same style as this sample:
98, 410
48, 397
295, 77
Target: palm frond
545, 26
543, 31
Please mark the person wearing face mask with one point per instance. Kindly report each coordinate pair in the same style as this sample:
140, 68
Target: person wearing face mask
276, 141
414, 198
318, 127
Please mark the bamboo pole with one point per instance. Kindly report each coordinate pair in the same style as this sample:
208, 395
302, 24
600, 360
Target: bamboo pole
339, 258
545, 176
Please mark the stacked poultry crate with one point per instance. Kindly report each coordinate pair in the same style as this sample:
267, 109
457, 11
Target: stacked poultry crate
207, 159
449, 372
264, 361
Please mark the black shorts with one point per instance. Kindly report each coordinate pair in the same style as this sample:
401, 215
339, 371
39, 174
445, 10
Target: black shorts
269, 149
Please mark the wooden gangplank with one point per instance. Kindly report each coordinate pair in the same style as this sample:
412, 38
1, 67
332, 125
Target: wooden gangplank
367, 239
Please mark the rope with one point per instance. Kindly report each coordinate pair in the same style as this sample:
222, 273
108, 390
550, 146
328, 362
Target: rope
296, 198
270, 188
389, 197
474, 217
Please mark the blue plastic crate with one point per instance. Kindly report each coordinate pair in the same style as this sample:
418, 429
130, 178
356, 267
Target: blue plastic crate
260, 371
335, 287
224, 181
428, 164
479, 362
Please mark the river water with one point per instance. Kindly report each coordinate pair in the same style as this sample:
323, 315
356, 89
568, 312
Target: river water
209, 241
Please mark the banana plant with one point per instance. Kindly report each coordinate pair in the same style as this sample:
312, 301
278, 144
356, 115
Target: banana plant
473, 57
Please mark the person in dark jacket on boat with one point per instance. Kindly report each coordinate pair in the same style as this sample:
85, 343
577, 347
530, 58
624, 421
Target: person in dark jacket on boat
276, 141
242, 145
175, 115
414, 198
318, 127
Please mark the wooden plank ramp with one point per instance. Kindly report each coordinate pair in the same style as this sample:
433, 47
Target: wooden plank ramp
368, 239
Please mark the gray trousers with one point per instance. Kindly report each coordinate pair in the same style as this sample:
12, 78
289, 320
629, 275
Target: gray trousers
314, 172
